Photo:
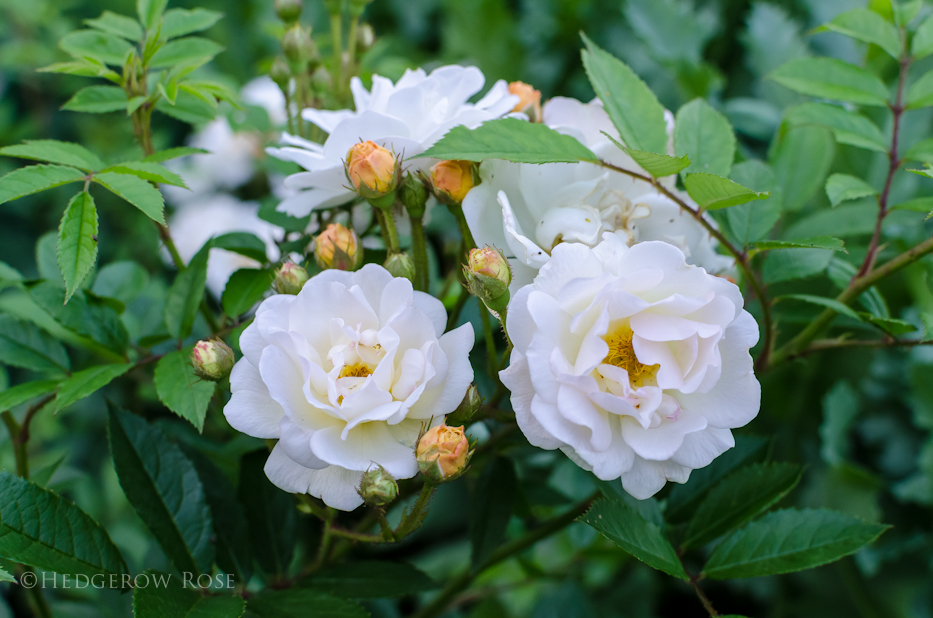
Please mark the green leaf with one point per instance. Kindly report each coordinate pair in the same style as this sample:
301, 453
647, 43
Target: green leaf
684, 499
491, 508
658, 165
85, 67
370, 579
920, 93
165, 490
187, 108
136, 191
245, 288
150, 12
891, 326
147, 170
210, 92
829, 78
270, 514
738, 498
295, 603
119, 25
181, 390
184, 51
174, 153
822, 301
86, 382
847, 127
23, 344
789, 264
97, 100
922, 44
77, 241
244, 243
706, 137
840, 407
53, 151
43, 475
626, 528
869, 27
921, 151
631, 105
40, 529
801, 157
123, 281
86, 317
6, 577
184, 297
818, 242
35, 178
789, 540
752, 221
842, 187
21, 393
713, 192
510, 139
96, 44
905, 10
165, 596
179, 22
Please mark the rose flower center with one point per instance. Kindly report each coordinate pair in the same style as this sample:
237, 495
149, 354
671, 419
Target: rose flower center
359, 370
622, 354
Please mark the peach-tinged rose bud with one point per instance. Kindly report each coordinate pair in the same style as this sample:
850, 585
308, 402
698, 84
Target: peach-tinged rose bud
289, 278
372, 169
337, 247
212, 359
529, 102
443, 453
488, 275
452, 180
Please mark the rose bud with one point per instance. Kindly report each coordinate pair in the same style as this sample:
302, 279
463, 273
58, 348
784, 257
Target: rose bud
443, 453
413, 195
529, 100
288, 10
298, 46
378, 487
400, 265
467, 408
488, 275
289, 278
337, 247
212, 359
372, 169
280, 73
452, 180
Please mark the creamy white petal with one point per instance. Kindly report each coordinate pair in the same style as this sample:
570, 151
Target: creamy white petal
336, 486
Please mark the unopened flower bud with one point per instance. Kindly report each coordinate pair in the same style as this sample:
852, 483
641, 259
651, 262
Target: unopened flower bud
280, 73
212, 359
467, 408
289, 278
334, 7
356, 7
452, 180
413, 195
443, 453
337, 247
365, 39
372, 169
488, 275
298, 46
288, 10
378, 487
529, 100
400, 265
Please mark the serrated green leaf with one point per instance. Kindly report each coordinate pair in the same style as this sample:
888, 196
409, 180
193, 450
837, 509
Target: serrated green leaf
96, 44
187, 108
77, 241
244, 243
23, 344
921, 151
829, 303
35, 178
182, 51
920, 93
891, 326
706, 137
510, 139
840, 407
752, 221
789, 540
491, 509
119, 25
922, 44
86, 382
179, 22
53, 151
85, 67
148, 170
841, 273
738, 498
97, 321
843, 187
622, 525
133, 104
370, 579
136, 191
270, 514
123, 281
174, 153
167, 597
181, 390
21, 393
818, 242
6, 577
210, 92
294, 603
150, 12
40, 529
847, 127
789, 264
631, 105
830, 78
184, 297
801, 157
869, 27
713, 192
245, 288
97, 100
165, 490
905, 10
657, 165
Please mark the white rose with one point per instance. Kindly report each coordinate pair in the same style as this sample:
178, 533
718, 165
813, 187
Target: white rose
406, 117
631, 361
528, 209
346, 375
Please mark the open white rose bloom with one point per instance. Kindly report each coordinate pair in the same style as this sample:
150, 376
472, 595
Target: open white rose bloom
528, 209
346, 375
406, 117
631, 361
